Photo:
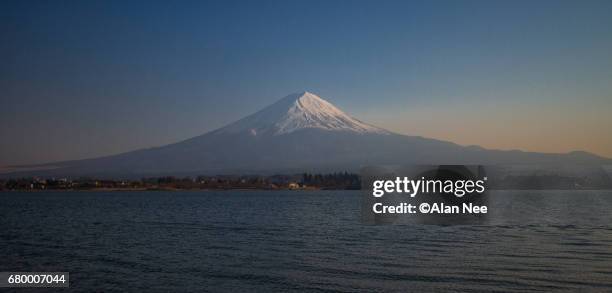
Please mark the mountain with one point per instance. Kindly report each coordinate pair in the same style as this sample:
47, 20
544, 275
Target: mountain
301, 132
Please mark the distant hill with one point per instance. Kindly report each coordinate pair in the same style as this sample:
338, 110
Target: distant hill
299, 133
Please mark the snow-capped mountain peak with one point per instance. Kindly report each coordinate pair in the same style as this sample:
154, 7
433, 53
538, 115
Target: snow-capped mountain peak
299, 111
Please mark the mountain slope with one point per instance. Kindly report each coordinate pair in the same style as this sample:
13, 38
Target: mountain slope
301, 132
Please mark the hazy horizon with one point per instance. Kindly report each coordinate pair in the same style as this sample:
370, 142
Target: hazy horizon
89, 79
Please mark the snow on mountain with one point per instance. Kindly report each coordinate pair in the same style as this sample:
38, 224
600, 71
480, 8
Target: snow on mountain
299, 111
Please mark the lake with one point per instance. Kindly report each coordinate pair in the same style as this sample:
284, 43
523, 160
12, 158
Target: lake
304, 240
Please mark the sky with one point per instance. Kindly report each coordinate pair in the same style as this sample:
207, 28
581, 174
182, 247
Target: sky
81, 79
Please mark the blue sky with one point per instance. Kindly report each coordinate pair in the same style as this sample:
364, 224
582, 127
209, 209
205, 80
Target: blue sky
90, 78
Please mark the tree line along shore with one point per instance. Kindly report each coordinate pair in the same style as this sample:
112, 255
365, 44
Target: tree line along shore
305, 181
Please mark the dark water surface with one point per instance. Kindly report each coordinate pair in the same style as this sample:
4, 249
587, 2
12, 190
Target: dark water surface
279, 241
